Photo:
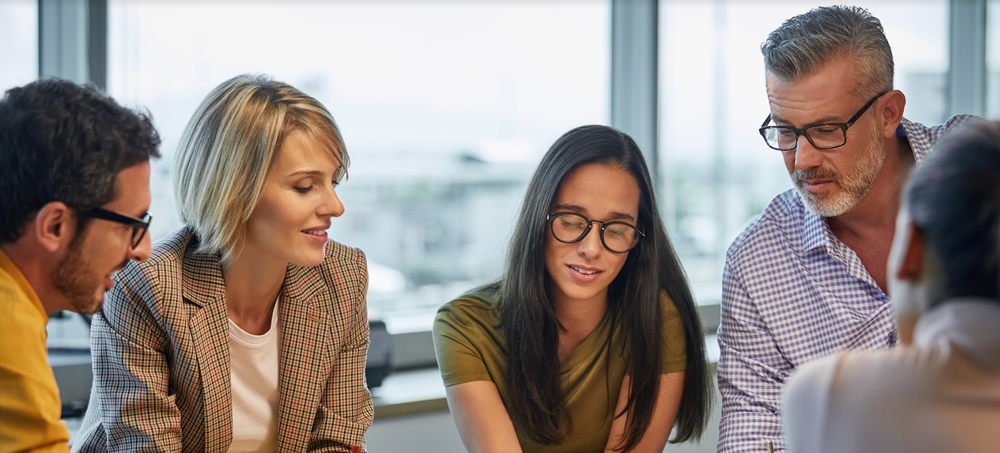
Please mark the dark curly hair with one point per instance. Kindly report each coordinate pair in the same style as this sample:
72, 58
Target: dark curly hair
60, 141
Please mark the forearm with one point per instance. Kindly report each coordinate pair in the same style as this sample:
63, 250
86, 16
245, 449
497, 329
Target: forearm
751, 398
481, 419
749, 375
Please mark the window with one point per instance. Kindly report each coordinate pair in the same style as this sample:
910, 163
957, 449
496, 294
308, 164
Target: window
993, 60
18, 24
716, 173
446, 109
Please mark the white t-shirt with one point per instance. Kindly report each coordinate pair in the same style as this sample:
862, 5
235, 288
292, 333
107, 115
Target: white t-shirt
254, 379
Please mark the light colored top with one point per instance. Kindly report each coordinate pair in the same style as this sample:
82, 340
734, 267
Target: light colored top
29, 398
942, 394
470, 346
254, 379
792, 293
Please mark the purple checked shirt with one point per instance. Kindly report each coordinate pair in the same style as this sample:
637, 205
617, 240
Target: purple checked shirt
791, 293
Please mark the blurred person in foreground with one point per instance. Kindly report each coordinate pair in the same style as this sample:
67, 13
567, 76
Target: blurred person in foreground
590, 341
941, 391
74, 196
807, 278
246, 331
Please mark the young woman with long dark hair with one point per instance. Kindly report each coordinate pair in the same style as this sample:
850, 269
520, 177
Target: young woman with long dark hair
590, 341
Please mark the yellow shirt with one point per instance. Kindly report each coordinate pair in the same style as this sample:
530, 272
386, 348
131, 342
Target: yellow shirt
470, 346
29, 397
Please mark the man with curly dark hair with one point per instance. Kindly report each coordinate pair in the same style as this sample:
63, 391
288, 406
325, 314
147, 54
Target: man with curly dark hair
74, 195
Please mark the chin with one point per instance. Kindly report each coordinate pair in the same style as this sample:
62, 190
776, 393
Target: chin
88, 306
577, 293
309, 260
829, 205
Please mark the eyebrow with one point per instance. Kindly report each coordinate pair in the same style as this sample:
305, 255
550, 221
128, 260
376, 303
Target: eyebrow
304, 173
824, 120
580, 210
338, 174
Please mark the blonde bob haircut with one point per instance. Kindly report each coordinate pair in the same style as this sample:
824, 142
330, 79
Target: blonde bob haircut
229, 147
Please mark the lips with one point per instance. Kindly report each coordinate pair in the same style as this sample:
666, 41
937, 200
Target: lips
584, 273
317, 234
816, 185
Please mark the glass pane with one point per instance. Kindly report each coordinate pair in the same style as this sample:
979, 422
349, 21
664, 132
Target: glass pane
717, 173
18, 43
993, 60
446, 108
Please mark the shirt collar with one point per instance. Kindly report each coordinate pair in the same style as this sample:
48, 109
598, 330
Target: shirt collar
816, 233
908, 130
968, 323
8, 267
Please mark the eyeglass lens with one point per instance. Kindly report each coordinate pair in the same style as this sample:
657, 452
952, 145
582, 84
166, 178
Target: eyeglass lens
821, 136
617, 236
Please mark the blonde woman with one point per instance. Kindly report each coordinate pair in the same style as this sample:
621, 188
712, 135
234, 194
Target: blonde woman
246, 331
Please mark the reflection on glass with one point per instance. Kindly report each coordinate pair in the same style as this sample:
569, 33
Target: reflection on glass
716, 174
445, 108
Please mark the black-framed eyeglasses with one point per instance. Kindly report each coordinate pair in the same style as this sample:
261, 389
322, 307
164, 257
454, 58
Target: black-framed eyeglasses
139, 226
821, 136
617, 237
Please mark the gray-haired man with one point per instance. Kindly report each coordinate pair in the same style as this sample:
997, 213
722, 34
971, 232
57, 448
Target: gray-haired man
808, 278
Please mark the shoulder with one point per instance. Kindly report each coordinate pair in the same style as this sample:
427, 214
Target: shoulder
344, 264
13, 299
344, 255
849, 378
344, 268
165, 259
478, 310
922, 138
783, 218
339, 283
826, 398
667, 306
148, 295
468, 341
173, 263
472, 321
673, 334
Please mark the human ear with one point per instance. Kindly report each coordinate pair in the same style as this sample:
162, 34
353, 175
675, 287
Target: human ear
891, 112
911, 266
54, 226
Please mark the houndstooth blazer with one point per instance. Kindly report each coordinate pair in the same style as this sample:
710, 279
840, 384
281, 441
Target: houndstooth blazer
161, 356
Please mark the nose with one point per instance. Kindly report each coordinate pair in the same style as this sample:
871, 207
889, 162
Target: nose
590, 246
142, 251
806, 155
332, 207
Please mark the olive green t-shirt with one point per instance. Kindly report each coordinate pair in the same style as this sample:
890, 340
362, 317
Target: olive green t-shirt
470, 346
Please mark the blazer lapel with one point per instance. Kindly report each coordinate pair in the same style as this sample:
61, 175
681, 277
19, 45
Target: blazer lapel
204, 291
304, 356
